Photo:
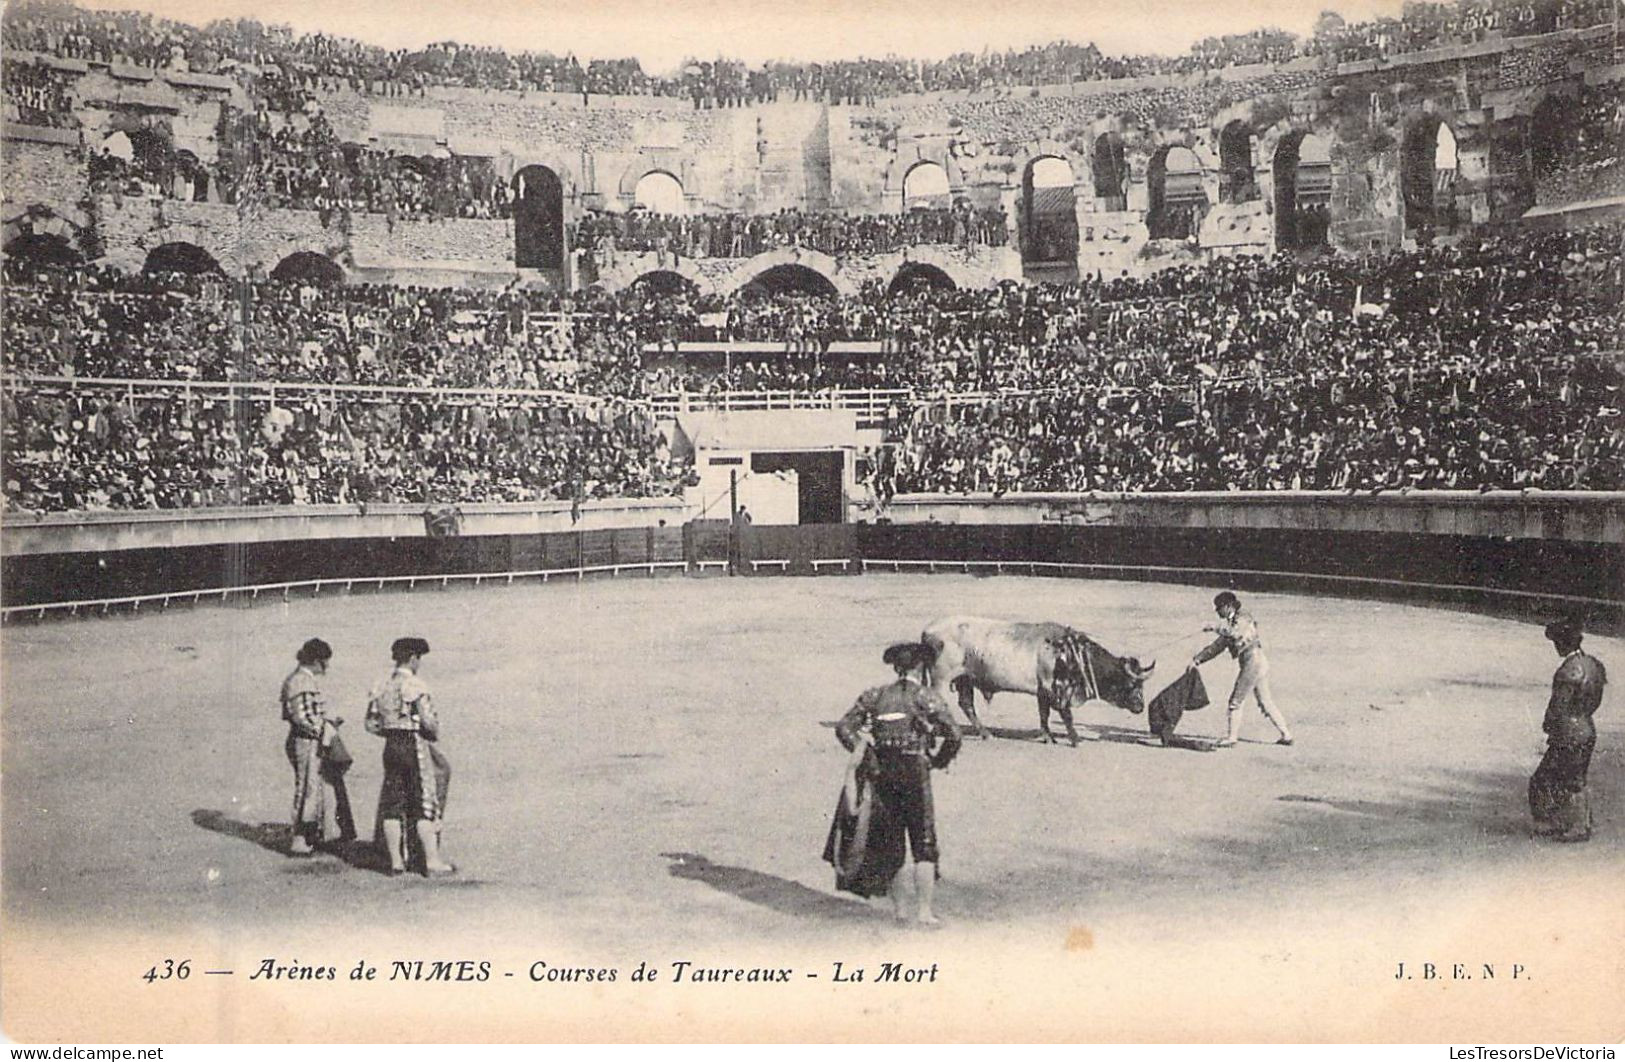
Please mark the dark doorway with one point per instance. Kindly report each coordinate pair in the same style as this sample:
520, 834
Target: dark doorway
912, 276
308, 267
819, 479
664, 282
538, 219
790, 279
1110, 172
44, 249
180, 258
1428, 167
1236, 181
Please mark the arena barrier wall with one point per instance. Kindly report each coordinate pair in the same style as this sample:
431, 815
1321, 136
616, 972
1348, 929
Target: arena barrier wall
1508, 552
1524, 554
25, 533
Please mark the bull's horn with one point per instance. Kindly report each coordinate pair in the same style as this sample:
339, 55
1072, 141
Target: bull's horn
1142, 672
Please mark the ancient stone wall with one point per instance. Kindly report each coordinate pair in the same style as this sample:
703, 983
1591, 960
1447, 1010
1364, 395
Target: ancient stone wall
1377, 120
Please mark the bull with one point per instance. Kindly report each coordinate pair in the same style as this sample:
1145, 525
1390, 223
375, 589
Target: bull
1062, 667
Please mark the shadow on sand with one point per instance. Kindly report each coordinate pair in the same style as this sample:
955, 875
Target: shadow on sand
274, 837
764, 890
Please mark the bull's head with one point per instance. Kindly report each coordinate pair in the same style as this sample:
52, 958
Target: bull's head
1084, 670
1124, 685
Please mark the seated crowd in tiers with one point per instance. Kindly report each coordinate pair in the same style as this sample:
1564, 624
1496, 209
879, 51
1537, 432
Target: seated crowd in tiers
1589, 161
745, 235
290, 65
1491, 364
1501, 422
100, 449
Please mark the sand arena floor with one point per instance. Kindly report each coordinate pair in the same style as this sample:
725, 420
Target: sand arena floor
644, 770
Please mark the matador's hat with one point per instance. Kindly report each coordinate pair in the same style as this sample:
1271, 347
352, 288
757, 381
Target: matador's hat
909, 655
403, 649
1565, 630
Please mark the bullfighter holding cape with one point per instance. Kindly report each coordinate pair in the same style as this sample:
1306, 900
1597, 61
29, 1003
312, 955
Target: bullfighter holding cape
886, 798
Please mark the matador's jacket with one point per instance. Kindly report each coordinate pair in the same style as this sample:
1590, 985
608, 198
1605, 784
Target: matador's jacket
416, 774
887, 799
902, 719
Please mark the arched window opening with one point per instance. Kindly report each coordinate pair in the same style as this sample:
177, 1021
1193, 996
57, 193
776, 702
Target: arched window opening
789, 280
917, 276
1303, 192
538, 219
1178, 200
1429, 165
925, 187
660, 193
180, 258
1237, 181
1110, 173
308, 267
1049, 212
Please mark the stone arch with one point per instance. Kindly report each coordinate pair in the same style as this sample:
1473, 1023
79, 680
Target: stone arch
907, 159
945, 260
791, 277
1177, 199
629, 269
538, 218
911, 274
1429, 163
1237, 181
665, 281
817, 262
660, 192
1049, 210
926, 184
1110, 172
181, 257
644, 163
1301, 179
117, 144
40, 234
309, 267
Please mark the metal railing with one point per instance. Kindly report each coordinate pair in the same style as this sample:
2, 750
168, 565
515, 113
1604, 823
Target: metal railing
871, 404
263, 389
284, 591
848, 565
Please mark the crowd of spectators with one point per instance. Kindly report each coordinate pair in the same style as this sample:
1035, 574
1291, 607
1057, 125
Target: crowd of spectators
1591, 163
289, 67
1494, 362
1426, 25
1231, 317
36, 95
98, 449
1495, 365
300, 164
745, 235
1500, 422
99, 323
